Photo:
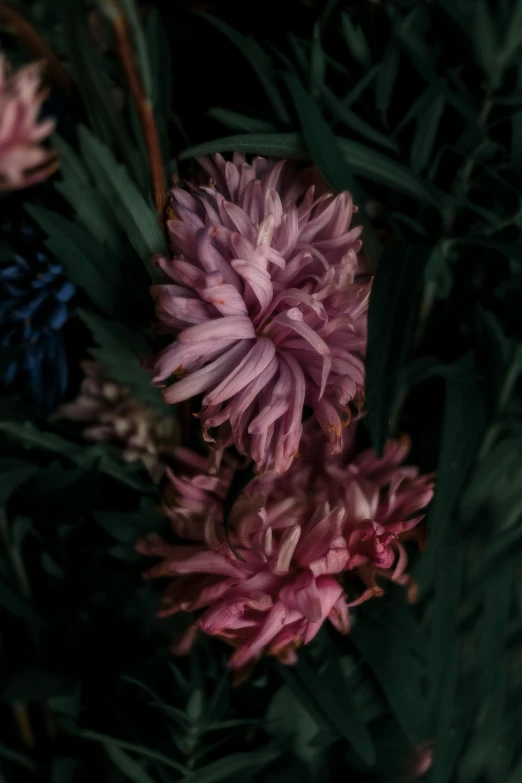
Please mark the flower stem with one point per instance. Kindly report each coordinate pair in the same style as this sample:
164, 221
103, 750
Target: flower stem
143, 106
24, 30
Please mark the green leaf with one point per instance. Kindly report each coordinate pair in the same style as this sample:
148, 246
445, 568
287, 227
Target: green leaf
31, 437
81, 256
142, 55
17, 758
280, 145
317, 63
236, 763
93, 211
137, 218
287, 716
121, 349
354, 122
387, 76
112, 742
464, 424
356, 42
130, 768
443, 639
64, 491
427, 127
259, 61
240, 122
361, 160
127, 527
486, 45
328, 156
158, 47
394, 302
454, 719
398, 672
414, 44
89, 71
330, 702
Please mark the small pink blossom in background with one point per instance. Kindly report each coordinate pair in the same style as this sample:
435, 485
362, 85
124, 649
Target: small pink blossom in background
23, 161
110, 415
268, 303
303, 547
422, 760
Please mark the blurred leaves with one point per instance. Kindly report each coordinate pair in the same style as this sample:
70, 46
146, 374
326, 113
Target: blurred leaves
394, 303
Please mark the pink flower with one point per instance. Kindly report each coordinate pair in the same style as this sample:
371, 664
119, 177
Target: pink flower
302, 547
267, 303
110, 415
23, 161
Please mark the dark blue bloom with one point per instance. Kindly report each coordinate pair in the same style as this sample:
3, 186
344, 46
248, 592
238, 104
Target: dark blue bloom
35, 304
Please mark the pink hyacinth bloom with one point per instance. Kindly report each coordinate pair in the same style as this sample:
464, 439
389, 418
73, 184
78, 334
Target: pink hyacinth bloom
23, 161
266, 298
302, 547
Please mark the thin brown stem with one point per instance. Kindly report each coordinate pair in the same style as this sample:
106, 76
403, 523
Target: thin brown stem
144, 108
23, 30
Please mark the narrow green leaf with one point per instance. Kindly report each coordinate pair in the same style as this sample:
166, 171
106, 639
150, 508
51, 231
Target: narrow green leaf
137, 218
281, 145
414, 44
158, 48
259, 61
113, 742
486, 45
427, 127
354, 122
90, 73
328, 156
464, 424
17, 758
121, 349
356, 42
394, 302
359, 88
236, 763
331, 704
454, 719
346, 713
361, 160
82, 258
31, 437
443, 639
387, 76
398, 672
92, 210
142, 55
240, 122
317, 63
130, 768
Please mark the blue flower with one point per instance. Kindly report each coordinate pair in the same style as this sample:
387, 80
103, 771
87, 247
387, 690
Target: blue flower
35, 304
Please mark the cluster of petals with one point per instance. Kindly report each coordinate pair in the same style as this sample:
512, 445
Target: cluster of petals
109, 414
299, 549
268, 303
23, 160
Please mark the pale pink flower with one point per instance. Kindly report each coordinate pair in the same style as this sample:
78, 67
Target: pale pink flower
301, 548
109, 414
421, 761
267, 302
23, 161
